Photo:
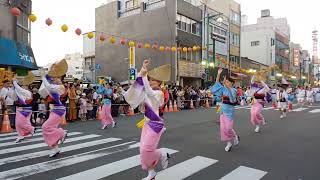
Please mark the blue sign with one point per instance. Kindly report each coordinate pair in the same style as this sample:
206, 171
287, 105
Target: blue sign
98, 66
16, 54
133, 73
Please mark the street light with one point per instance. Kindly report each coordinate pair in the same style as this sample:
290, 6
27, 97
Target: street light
293, 77
279, 75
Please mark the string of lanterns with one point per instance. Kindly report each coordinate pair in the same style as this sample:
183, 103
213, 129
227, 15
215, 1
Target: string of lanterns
112, 38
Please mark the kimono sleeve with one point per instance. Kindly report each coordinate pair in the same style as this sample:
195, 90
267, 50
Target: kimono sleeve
135, 94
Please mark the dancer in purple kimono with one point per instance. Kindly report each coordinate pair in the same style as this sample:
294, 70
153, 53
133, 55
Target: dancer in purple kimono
229, 100
259, 91
146, 89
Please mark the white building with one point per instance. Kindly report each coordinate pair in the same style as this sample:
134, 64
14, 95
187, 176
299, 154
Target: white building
75, 65
89, 55
267, 41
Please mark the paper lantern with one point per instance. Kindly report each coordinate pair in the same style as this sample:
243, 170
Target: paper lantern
102, 37
64, 28
147, 45
185, 49
90, 35
168, 48
15, 11
155, 46
161, 48
189, 49
179, 49
32, 17
194, 48
49, 22
78, 31
173, 49
123, 41
112, 40
140, 45
131, 44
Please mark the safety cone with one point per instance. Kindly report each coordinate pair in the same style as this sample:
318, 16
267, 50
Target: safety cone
166, 108
99, 113
6, 128
131, 111
191, 104
175, 107
207, 104
63, 121
290, 107
170, 107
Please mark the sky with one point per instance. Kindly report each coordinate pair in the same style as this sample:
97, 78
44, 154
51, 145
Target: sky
51, 44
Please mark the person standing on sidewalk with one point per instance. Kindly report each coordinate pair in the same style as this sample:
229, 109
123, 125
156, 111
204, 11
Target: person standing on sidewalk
52, 86
6, 95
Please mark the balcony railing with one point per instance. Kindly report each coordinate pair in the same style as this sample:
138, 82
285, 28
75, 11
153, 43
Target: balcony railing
130, 11
154, 4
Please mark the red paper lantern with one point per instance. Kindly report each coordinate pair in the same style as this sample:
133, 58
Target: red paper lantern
168, 48
140, 45
102, 37
179, 49
78, 31
49, 22
15, 11
122, 41
189, 49
155, 46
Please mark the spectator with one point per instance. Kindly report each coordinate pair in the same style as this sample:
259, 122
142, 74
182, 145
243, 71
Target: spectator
72, 103
35, 104
7, 96
83, 107
95, 99
90, 105
42, 115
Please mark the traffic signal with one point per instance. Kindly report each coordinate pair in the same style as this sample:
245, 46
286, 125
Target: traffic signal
132, 74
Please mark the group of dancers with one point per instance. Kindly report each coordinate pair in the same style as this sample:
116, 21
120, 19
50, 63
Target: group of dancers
147, 91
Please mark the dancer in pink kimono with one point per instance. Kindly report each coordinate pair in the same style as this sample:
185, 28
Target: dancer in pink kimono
53, 88
228, 94
24, 109
105, 115
259, 91
146, 89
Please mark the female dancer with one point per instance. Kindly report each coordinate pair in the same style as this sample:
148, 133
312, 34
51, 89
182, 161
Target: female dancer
282, 98
146, 89
259, 91
229, 99
105, 115
310, 95
52, 86
24, 109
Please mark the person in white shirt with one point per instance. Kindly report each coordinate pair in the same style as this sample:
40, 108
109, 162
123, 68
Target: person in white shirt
301, 95
310, 95
7, 96
282, 98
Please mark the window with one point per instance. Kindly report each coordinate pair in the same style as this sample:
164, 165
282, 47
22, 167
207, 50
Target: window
132, 3
188, 25
234, 39
235, 18
193, 2
255, 43
23, 28
272, 42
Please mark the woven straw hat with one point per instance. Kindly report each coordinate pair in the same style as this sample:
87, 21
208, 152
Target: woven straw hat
58, 69
25, 81
161, 73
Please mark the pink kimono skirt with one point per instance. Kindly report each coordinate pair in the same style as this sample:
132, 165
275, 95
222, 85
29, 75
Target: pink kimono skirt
149, 153
23, 125
256, 116
50, 131
106, 117
226, 128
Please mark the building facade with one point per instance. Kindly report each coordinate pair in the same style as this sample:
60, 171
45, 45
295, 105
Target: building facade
15, 37
89, 59
75, 65
267, 42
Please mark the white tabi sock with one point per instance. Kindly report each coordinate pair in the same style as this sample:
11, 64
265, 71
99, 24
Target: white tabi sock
151, 174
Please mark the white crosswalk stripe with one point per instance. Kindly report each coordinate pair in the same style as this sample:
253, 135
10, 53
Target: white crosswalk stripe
14, 133
246, 173
299, 109
15, 137
315, 111
100, 147
33, 139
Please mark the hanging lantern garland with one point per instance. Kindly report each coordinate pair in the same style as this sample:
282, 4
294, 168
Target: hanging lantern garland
140, 45
32, 18
90, 35
123, 41
147, 46
102, 37
48, 22
78, 31
64, 28
131, 44
112, 40
15, 11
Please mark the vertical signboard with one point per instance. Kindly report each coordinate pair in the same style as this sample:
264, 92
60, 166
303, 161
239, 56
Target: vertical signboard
132, 60
296, 57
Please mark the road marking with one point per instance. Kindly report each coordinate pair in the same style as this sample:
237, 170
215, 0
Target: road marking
15, 133
186, 168
23, 148
299, 109
64, 149
15, 137
59, 163
109, 169
245, 173
31, 139
315, 111
268, 108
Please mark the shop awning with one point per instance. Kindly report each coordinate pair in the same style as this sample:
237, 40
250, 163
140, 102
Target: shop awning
13, 53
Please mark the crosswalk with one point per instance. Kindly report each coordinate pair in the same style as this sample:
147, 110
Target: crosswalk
29, 159
309, 109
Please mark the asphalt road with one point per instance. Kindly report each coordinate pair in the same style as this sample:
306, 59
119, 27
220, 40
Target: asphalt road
286, 149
